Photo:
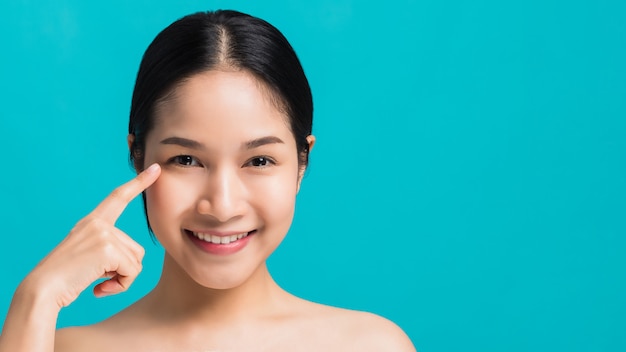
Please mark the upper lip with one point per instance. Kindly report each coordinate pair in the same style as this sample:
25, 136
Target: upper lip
219, 233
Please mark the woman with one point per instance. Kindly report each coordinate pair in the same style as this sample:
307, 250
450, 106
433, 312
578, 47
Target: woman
220, 134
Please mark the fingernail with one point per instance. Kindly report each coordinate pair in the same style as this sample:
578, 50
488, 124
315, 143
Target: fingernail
153, 168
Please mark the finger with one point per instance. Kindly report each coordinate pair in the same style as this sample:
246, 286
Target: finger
119, 280
124, 262
105, 288
116, 284
108, 275
112, 206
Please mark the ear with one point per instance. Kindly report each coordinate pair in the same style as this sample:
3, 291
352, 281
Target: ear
130, 139
311, 141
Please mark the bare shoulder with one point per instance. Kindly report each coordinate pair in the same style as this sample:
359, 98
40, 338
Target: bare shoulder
362, 331
383, 333
375, 333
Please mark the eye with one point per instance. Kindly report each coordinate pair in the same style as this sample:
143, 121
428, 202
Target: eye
260, 162
184, 160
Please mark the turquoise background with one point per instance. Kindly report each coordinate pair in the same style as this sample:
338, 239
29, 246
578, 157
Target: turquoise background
469, 180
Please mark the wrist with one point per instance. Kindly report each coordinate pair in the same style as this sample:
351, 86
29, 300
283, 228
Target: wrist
34, 293
31, 321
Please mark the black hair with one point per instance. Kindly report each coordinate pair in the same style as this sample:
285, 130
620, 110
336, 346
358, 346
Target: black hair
223, 39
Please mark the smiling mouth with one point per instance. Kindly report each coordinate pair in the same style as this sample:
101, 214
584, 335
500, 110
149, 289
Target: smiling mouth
207, 237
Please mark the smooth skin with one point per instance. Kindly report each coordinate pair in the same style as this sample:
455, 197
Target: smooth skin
218, 173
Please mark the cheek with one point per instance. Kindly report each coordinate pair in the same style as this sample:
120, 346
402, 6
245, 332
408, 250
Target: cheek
169, 197
275, 198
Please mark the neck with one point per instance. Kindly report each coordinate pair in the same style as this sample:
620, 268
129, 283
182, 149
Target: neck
178, 296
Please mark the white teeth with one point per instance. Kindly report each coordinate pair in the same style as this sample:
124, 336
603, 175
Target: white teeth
207, 237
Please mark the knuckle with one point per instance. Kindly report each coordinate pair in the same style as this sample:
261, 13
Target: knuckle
94, 223
119, 193
103, 237
134, 271
125, 282
90, 226
141, 253
108, 250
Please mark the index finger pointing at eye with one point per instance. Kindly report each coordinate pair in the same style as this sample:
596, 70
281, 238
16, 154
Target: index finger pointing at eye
112, 206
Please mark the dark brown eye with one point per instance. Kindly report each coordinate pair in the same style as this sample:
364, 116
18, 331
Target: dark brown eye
185, 160
260, 162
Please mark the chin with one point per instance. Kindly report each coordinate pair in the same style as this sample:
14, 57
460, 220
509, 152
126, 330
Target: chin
188, 267
219, 283
223, 277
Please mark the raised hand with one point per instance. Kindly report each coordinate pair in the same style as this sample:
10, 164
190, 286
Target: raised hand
93, 249
96, 249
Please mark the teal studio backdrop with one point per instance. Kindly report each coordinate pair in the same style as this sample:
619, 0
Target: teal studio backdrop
469, 181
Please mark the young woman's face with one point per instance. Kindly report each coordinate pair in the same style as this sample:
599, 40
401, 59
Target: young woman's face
226, 195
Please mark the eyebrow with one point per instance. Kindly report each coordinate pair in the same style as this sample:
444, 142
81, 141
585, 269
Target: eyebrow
255, 143
191, 144
183, 142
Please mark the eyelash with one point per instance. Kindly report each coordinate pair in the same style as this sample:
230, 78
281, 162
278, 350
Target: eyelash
178, 160
269, 161
191, 161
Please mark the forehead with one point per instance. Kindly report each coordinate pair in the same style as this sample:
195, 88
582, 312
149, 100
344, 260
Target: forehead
221, 102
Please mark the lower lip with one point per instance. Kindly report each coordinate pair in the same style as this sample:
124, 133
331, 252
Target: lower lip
220, 249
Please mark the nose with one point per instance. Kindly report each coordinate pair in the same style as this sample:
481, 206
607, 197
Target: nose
223, 195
